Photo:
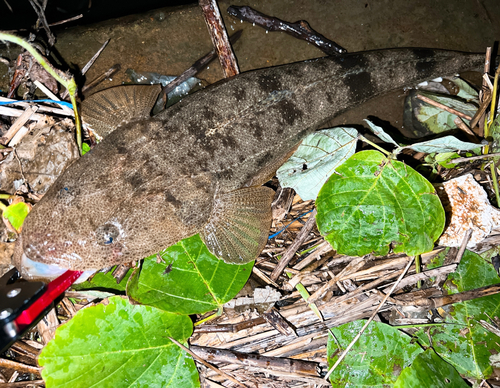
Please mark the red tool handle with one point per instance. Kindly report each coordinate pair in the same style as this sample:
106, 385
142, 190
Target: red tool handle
54, 289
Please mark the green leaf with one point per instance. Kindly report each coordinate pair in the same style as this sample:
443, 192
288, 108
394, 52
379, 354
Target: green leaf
443, 144
316, 159
466, 91
375, 360
16, 213
103, 281
437, 120
190, 280
428, 370
85, 148
120, 345
462, 341
380, 133
445, 159
374, 203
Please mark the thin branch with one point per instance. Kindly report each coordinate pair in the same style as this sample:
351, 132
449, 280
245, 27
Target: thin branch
463, 246
292, 249
300, 29
256, 360
443, 107
486, 156
197, 66
43, 20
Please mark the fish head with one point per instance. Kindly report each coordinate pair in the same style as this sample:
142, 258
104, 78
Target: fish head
80, 226
57, 237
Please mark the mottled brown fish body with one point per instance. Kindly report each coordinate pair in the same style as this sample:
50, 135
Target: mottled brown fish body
198, 167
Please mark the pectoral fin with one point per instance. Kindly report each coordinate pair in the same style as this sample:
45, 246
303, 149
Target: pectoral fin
108, 109
239, 225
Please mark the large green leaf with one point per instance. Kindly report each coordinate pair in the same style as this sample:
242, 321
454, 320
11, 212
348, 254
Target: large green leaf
190, 280
462, 341
373, 204
428, 370
377, 358
120, 345
437, 120
316, 159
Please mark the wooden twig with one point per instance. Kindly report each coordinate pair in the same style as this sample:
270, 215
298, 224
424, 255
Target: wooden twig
463, 246
274, 318
197, 66
219, 37
463, 127
355, 339
208, 365
292, 249
488, 326
40, 11
482, 108
20, 384
72, 19
350, 268
108, 73
367, 287
464, 296
300, 29
21, 120
120, 271
256, 360
484, 95
479, 157
229, 328
440, 301
88, 65
94, 58
412, 279
12, 365
443, 107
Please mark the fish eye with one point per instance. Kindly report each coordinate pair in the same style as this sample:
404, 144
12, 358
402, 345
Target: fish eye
106, 234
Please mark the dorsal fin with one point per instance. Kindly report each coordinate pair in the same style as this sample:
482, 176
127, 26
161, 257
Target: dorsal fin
106, 110
239, 225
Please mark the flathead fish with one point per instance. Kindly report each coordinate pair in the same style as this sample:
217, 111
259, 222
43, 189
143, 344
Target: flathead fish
199, 166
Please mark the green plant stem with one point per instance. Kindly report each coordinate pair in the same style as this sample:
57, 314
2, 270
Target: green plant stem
487, 125
495, 181
305, 295
493, 105
210, 317
62, 79
361, 137
418, 269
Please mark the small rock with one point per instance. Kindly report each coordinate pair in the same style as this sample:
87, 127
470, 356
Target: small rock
467, 207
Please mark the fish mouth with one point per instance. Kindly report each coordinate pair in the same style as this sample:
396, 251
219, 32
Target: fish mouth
35, 270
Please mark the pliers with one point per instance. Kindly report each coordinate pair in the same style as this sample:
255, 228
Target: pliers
23, 304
